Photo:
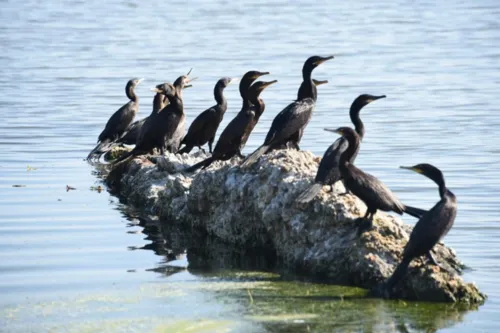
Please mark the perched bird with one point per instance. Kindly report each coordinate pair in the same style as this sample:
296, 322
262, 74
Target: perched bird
159, 129
204, 127
328, 170
366, 187
173, 141
228, 146
431, 227
288, 125
130, 136
118, 122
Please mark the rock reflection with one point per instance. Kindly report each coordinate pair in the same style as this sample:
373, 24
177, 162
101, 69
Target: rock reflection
277, 300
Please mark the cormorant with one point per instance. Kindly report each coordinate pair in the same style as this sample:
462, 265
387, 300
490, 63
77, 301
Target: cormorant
431, 227
229, 141
366, 187
159, 129
328, 171
289, 124
118, 122
204, 127
130, 137
173, 141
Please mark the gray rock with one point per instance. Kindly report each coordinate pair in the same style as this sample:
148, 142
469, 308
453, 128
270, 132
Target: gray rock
256, 207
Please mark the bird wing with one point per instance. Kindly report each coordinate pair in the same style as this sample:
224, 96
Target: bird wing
232, 135
371, 189
290, 120
203, 120
328, 170
431, 227
118, 122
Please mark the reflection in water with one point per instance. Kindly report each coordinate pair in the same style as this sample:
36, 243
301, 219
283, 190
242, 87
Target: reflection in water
251, 281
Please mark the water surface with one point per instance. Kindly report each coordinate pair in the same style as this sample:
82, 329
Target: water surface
78, 260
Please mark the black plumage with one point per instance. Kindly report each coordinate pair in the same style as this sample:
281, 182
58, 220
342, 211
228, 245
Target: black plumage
328, 171
289, 124
204, 127
118, 122
431, 227
366, 187
160, 128
230, 140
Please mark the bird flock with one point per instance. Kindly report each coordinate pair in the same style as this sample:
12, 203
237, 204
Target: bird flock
164, 130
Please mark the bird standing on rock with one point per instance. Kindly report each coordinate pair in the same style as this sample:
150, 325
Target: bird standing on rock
226, 147
366, 187
204, 127
289, 124
118, 122
328, 170
430, 229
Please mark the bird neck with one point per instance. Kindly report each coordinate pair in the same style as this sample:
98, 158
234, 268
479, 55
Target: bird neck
442, 187
158, 102
258, 104
219, 96
353, 145
130, 92
307, 88
356, 120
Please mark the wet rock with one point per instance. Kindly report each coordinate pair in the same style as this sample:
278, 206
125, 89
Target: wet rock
256, 208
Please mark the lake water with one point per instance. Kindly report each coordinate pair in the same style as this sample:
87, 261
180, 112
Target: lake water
79, 261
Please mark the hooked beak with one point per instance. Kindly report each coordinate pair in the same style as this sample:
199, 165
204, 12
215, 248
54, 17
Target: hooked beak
234, 80
375, 98
156, 90
139, 81
267, 84
319, 82
188, 86
334, 130
411, 168
322, 60
261, 74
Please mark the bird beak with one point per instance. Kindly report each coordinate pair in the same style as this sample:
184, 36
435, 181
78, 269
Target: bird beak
156, 90
411, 168
322, 60
140, 80
234, 80
188, 86
334, 130
319, 82
267, 84
368, 101
189, 71
261, 74
188, 80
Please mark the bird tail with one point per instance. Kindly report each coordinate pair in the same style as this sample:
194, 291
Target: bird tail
414, 211
253, 157
398, 274
309, 193
186, 149
203, 164
101, 148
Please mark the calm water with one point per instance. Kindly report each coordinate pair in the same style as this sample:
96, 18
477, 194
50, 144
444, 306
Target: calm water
77, 261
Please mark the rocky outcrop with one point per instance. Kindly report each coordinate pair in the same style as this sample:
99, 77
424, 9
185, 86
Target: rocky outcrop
256, 208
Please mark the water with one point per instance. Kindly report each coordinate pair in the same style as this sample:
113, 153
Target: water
77, 261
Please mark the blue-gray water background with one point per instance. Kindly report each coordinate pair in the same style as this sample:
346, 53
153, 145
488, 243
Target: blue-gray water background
66, 259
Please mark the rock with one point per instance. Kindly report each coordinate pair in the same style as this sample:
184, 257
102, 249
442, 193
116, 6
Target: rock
256, 208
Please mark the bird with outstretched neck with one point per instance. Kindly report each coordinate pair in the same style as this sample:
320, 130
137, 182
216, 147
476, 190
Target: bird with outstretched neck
429, 230
366, 187
328, 171
160, 128
227, 148
204, 127
290, 123
118, 122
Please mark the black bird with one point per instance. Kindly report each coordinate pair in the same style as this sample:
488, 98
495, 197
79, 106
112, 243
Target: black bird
431, 227
328, 170
118, 122
204, 127
159, 128
368, 188
173, 141
130, 136
229, 141
289, 124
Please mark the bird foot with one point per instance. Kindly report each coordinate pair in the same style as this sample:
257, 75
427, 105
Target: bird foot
364, 225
